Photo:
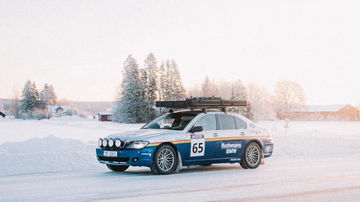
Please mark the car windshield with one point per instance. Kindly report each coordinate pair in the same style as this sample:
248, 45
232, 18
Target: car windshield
171, 121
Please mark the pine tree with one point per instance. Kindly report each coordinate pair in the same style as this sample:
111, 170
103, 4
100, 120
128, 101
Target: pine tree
129, 107
150, 86
162, 81
30, 99
167, 81
177, 88
171, 87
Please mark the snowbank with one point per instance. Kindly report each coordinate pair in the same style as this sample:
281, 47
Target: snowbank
52, 145
71, 127
49, 154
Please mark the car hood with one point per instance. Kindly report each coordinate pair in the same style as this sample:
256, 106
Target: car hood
143, 134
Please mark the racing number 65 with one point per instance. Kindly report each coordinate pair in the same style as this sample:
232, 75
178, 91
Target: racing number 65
197, 147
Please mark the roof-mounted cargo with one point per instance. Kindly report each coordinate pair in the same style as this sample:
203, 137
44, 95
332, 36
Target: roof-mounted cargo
201, 103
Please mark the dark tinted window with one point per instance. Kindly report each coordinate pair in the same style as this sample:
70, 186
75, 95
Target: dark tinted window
208, 122
240, 124
226, 122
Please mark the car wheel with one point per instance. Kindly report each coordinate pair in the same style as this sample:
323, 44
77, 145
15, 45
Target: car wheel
252, 156
243, 164
165, 160
117, 168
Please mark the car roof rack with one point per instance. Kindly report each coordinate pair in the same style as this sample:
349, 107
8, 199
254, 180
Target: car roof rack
201, 103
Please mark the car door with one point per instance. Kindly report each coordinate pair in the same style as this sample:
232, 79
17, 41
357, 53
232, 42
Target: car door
202, 151
230, 137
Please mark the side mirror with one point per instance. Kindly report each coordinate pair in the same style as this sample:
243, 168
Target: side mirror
196, 129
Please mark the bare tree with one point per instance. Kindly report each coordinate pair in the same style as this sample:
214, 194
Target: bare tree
209, 88
15, 105
287, 95
194, 91
259, 100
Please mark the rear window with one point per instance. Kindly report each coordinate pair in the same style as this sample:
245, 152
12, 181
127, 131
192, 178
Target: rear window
240, 124
226, 122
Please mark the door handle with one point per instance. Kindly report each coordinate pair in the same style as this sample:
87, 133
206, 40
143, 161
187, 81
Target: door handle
242, 133
215, 134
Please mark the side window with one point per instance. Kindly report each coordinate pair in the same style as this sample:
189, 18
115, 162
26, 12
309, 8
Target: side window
208, 122
226, 122
240, 124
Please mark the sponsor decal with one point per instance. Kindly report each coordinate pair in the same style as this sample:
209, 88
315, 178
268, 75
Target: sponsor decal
197, 136
231, 148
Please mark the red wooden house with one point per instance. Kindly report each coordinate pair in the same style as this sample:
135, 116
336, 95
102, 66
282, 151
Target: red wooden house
325, 112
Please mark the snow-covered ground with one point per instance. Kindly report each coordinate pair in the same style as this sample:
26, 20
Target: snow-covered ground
55, 160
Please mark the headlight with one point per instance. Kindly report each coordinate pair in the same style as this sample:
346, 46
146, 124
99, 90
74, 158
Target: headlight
111, 142
118, 143
104, 142
100, 142
137, 145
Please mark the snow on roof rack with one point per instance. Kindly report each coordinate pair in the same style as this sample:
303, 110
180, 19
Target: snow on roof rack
201, 103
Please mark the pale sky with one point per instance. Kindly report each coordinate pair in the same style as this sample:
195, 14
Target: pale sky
79, 46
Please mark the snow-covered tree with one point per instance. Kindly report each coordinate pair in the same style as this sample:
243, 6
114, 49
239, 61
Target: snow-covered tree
149, 79
30, 99
162, 81
177, 88
171, 87
47, 96
238, 92
287, 95
166, 79
129, 108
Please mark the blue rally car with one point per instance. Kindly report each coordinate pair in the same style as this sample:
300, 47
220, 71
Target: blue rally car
202, 134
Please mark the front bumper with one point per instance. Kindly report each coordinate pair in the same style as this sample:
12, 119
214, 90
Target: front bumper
268, 149
133, 157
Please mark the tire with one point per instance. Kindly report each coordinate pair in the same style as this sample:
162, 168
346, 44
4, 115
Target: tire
252, 156
117, 168
243, 164
165, 160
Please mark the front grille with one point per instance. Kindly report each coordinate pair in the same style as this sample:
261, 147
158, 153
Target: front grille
118, 159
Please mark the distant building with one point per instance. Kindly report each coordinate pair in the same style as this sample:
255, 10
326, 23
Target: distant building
58, 110
104, 116
325, 112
